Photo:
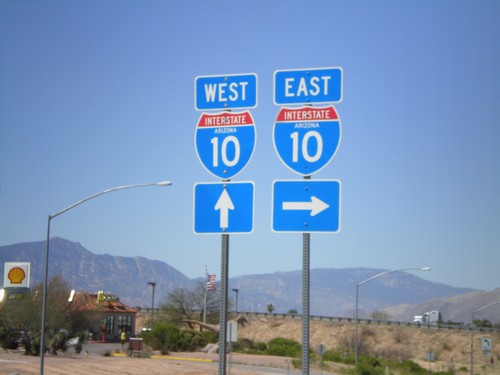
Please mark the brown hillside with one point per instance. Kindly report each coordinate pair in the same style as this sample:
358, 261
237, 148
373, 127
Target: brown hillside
451, 348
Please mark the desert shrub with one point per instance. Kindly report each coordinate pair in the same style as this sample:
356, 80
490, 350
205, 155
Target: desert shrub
284, 347
367, 369
346, 340
393, 352
399, 335
210, 337
168, 337
245, 345
261, 346
193, 340
8, 337
366, 332
296, 363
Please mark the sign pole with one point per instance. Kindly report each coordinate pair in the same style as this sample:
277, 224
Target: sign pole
223, 302
306, 245
306, 251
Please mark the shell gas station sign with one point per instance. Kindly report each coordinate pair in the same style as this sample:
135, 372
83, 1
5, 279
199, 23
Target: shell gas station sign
16, 275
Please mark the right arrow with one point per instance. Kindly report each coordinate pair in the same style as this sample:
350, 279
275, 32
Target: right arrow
316, 206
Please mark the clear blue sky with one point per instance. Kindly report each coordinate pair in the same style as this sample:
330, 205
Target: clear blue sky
97, 94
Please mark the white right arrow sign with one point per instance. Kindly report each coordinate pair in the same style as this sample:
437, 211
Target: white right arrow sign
316, 206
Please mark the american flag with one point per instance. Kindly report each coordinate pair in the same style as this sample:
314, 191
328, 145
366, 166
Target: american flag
210, 282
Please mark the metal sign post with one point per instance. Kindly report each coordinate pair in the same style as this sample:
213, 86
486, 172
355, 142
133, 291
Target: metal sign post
224, 143
223, 302
306, 246
306, 139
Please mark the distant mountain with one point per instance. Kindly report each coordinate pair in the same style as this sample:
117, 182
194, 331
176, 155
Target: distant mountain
125, 277
455, 309
332, 290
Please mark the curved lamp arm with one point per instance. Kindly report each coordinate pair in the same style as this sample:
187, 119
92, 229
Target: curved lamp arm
45, 284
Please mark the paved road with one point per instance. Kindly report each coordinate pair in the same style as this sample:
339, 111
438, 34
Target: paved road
98, 348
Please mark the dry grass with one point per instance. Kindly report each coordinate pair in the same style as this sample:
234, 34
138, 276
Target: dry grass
451, 348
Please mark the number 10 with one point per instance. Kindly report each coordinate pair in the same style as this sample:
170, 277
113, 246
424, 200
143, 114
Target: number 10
307, 136
215, 143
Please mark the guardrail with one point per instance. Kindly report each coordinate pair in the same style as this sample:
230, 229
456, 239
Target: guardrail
462, 327
339, 319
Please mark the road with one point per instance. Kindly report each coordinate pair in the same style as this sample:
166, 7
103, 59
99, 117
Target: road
248, 363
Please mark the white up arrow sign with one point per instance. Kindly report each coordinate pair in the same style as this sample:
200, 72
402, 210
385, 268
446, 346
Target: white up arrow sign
224, 204
316, 206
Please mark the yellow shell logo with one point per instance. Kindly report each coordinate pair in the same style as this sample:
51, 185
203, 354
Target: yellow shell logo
16, 275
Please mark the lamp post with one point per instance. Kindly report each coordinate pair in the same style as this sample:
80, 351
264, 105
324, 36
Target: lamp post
45, 282
153, 284
356, 343
236, 290
472, 334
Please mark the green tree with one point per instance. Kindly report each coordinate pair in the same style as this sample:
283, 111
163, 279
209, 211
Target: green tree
270, 308
484, 323
380, 315
24, 314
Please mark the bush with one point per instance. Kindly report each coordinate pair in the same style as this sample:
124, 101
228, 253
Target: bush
168, 337
248, 346
339, 357
284, 347
296, 363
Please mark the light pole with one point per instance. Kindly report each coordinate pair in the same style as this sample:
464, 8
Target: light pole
236, 290
356, 343
153, 284
471, 334
45, 282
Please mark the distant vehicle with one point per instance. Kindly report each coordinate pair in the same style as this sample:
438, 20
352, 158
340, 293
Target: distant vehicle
431, 317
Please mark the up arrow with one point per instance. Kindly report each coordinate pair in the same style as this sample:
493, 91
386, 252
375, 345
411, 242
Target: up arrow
224, 204
316, 206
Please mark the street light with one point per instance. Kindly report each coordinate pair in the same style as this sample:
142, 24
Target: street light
471, 334
45, 282
357, 294
236, 290
153, 284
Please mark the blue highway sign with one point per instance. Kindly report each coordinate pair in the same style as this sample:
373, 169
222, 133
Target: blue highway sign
307, 86
306, 139
229, 91
225, 142
223, 207
306, 206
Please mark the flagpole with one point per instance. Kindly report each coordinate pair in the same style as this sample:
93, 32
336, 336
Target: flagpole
205, 286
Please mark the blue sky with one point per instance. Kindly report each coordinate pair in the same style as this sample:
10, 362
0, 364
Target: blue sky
98, 94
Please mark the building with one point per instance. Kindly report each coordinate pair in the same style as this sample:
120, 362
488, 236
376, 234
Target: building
111, 316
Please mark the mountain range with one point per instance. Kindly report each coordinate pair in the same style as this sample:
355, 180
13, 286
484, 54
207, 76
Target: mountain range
332, 291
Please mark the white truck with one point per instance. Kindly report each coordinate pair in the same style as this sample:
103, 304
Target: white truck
431, 317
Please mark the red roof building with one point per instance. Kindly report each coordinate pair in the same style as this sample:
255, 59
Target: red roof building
112, 316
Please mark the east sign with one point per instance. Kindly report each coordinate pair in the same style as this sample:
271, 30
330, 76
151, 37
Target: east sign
308, 86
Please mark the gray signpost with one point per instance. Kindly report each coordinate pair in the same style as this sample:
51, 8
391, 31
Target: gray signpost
224, 143
306, 140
